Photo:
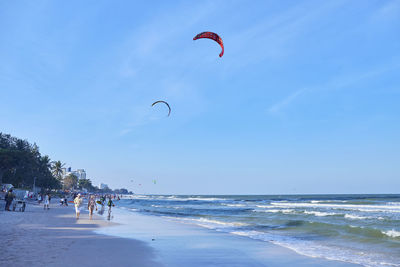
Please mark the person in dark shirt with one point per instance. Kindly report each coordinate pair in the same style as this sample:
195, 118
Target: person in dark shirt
9, 198
110, 204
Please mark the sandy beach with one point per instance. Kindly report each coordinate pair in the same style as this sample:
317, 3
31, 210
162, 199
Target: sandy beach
54, 237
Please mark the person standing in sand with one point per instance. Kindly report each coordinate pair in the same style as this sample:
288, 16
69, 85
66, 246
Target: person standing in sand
78, 203
46, 201
91, 205
9, 199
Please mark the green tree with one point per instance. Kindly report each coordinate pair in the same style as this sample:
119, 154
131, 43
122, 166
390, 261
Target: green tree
86, 183
21, 163
56, 169
71, 181
8, 160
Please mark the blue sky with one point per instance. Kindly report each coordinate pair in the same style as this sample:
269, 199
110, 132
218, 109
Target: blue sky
305, 99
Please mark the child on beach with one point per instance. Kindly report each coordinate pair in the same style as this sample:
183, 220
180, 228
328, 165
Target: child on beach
78, 203
91, 205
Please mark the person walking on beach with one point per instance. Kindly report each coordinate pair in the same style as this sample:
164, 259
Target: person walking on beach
46, 201
102, 200
78, 203
109, 204
91, 205
9, 199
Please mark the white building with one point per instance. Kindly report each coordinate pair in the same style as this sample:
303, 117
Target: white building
103, 186
80, 173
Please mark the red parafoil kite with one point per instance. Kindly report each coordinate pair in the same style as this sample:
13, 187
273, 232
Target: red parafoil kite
212, 36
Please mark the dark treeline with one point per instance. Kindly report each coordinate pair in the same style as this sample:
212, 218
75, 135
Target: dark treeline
21, 163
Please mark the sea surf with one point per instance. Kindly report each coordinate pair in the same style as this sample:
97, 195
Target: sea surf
361, 229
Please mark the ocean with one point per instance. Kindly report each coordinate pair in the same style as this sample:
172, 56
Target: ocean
362, 229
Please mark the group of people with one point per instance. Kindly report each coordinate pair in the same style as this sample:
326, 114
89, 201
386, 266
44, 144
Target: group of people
92, 205
64, 201
10, 196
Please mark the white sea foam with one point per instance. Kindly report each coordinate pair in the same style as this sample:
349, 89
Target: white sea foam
320, 214
327, 201
392, 233
312, 249
167, 207
315, 249
285, 211
277, 211
355, 217
264, 206
204, 199
365, 208
212, 224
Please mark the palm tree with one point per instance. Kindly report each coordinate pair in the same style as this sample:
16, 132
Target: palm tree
57, 169
70, 181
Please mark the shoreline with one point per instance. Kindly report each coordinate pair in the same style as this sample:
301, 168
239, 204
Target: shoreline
54, 237
185, 244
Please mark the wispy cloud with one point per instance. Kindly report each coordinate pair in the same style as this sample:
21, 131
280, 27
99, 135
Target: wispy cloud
273, 37
151, 42
335, 83
277, 107
388, 12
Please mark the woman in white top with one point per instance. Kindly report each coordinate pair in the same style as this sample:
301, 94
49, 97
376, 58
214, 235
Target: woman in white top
78, 203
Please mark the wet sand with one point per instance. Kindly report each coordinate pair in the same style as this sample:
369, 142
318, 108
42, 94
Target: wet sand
54, 237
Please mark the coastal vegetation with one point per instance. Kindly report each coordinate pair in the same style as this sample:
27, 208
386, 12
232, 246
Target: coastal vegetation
70, 181
22, 165
57, 170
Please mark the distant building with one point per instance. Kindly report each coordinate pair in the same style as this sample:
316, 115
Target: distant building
80, 173
103, 186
